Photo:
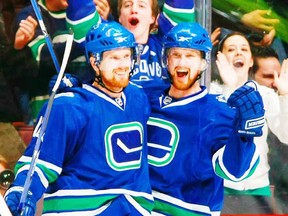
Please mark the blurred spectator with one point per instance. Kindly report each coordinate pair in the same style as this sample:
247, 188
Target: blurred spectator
9, 106
36, 84
266, 63
264, 21
11, 144
9, 9
29, 38
8, 12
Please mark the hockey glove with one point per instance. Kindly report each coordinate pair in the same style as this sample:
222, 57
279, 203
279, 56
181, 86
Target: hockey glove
68, 81
12, 198
250, 110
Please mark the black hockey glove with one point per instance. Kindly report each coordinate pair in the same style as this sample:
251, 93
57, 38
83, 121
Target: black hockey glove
250, 110
12, 198
68, 81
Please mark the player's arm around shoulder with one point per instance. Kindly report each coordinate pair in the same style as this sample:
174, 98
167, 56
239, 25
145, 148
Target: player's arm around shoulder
139, 97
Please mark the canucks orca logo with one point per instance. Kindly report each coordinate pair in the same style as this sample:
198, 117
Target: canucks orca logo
123, 144
161, 154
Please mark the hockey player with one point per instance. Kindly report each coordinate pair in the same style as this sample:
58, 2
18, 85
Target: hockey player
138, 17
93, 159
195, 140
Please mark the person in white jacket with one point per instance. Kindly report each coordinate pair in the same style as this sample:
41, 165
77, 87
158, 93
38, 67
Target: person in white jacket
234, 60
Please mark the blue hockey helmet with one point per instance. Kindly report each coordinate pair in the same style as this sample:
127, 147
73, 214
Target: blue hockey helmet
187, 35
107, 36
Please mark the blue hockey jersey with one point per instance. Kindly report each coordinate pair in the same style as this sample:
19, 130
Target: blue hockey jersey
93, 158
192, 146
148, 73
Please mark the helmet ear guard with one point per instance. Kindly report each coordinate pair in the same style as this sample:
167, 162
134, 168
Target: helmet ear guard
96, 60
164, 53
135, 59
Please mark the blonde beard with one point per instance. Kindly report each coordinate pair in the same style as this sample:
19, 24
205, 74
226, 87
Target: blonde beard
116, 83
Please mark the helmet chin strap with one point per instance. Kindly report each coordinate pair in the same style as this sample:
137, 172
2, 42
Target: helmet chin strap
197, 78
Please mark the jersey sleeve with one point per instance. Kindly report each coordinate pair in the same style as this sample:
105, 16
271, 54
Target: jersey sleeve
237, 160
234, 158
174, 12
81, 16
58, 144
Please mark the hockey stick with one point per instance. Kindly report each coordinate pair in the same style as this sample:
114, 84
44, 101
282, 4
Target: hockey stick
45, 119
46, 35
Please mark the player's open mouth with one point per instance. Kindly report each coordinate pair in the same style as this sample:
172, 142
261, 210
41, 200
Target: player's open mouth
133, 21
238, 63
182, 73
